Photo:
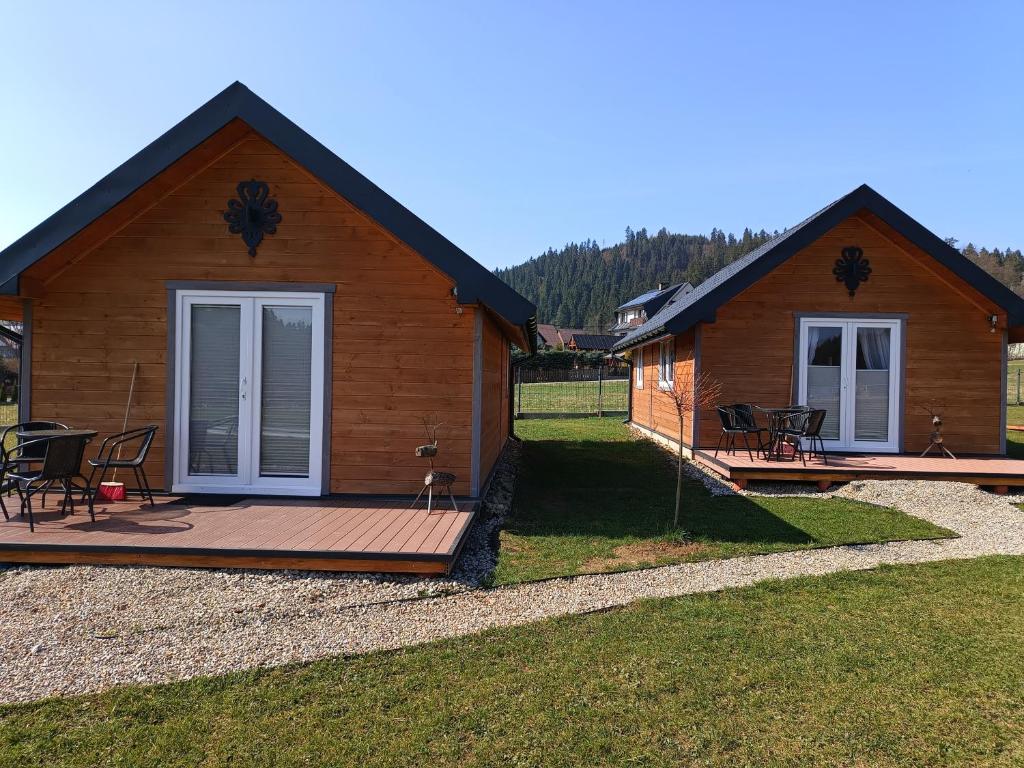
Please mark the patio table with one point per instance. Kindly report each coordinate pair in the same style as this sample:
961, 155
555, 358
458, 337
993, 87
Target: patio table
777, 418
36, 434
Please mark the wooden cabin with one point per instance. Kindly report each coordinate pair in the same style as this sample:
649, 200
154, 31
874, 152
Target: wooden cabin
858, 310
294, 326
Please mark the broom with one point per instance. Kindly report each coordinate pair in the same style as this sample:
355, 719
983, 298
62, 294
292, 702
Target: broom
111, 490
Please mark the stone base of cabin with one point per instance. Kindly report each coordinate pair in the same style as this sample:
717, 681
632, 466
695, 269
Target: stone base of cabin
664, 441
330, 534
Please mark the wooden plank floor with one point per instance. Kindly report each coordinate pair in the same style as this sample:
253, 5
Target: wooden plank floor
322, 534
979, 470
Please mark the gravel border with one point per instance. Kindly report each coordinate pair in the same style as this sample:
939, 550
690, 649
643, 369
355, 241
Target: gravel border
70, 630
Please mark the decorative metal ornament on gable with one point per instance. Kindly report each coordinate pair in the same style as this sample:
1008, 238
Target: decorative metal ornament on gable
852, 268
252, 214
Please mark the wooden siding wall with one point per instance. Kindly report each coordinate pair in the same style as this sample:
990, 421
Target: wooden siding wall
494, 424
653, 407
401, 351
952, 358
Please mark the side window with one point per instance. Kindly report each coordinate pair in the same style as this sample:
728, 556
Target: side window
638, 367
666, 364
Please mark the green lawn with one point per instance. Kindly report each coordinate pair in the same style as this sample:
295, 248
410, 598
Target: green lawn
572, 397
882, 668
1015, 444
590, 498
1012, 367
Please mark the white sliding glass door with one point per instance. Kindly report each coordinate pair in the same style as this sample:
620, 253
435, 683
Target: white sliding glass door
850, 368
249, 392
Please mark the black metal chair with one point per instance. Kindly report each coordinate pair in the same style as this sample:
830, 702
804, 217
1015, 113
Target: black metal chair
730, 429
61, 462
804, 425
812, 433
34, 454
744, 419
106, 460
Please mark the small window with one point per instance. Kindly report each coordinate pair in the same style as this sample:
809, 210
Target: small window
638, 366
667, 364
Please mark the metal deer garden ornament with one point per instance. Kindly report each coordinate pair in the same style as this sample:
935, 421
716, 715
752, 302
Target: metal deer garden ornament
852, 269
253, 214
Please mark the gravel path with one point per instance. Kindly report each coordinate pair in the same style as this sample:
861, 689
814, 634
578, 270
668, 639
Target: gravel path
78, 629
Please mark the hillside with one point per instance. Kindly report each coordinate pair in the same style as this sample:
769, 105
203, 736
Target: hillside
580, 285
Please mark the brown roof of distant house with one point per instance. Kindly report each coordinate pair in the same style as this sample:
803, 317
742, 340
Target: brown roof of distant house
548, 334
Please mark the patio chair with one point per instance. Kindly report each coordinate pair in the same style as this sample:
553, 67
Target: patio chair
812, 433
730, 429
106, 460
61, 463
744, 419
805, 425
34, 454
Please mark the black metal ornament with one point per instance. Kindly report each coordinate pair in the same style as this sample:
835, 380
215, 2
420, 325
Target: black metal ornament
253, 214
852, 268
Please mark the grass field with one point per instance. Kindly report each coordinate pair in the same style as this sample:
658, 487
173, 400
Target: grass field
590, 498
882, 668
572, 397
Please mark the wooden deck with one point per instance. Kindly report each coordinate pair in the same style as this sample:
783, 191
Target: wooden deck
333, 534
996, 472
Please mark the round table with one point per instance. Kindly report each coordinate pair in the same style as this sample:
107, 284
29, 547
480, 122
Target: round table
36, 434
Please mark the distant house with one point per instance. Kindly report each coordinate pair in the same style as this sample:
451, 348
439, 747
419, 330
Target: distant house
565, 334
591, 342
547, 337
636, 312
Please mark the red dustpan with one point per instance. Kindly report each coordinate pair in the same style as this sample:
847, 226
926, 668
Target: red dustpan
110, 490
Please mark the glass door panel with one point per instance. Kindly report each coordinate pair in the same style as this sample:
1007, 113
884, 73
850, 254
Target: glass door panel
825, 375
871, 396
286, 386
214, 365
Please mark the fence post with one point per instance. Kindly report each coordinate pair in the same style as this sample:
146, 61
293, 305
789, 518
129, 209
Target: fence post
1018, 386
519, 387
600, 390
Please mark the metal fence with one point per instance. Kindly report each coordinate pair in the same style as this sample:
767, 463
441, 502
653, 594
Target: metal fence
595, 391
1015, 383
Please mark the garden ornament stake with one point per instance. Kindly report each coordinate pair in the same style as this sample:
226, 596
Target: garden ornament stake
936, 436
442, 480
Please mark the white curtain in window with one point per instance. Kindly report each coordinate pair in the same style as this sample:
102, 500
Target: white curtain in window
286, 385
666, 372
872, 383
824, 375
213, 389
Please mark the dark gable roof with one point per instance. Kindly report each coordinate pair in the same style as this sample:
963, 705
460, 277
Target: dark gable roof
700, 304
473, 281
652, 301
600, 341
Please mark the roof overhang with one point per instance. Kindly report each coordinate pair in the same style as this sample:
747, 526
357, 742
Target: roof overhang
474, 283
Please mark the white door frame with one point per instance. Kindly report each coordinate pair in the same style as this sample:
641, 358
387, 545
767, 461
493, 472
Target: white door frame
248, 479
848, 372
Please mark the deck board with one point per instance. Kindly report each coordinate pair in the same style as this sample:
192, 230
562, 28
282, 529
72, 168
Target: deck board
329, 534
980, 470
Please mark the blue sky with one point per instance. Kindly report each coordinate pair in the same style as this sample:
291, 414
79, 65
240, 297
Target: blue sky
516, 126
